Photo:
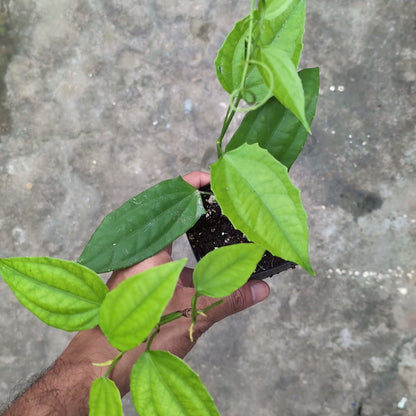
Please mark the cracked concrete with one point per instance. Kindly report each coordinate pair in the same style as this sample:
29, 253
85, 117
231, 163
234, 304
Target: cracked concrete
102, 99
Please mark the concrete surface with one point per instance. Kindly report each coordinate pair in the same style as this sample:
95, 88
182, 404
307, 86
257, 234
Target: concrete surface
102, 99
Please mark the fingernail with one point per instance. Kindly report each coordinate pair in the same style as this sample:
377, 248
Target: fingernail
259, 291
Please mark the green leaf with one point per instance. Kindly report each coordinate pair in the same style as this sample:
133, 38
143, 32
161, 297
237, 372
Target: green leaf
224, 270
163, 385
229, 63
285, 32
256, 89
130, 312
61, 293
254, 191
143, 226
275, 128
284, 81
105, 399
274, 8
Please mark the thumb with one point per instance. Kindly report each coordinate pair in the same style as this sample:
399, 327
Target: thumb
254, 291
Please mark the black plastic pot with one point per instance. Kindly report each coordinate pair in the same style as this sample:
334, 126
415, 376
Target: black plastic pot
215, 230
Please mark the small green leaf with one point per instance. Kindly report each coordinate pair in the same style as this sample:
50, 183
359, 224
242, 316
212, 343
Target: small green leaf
105, 399
143, 226
274, 8
275, 128
130, 312
284, 81
229, 62
229, 65
163, 385
61, 293
285, 32
254, 191
225, 269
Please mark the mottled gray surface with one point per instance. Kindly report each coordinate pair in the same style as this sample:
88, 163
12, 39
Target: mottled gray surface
105, 98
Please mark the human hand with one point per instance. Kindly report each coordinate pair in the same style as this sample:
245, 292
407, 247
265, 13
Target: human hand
70, 378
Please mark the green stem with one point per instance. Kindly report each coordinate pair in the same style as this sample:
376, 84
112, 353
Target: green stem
113, 364
232, 109
152, 338
170, 317
236, 95
249, 43
193, 306
205, 310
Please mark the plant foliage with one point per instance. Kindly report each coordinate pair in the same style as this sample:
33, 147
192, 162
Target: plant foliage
133, 308
61, 293
105, 398
257, 63
162, 384
143, 226
256, 194
275, 128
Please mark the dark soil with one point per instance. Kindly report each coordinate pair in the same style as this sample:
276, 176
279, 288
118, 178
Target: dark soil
215, 230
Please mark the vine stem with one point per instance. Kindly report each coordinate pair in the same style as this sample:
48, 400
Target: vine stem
232, 109
113, 364
236, 95
249, 44
152, 337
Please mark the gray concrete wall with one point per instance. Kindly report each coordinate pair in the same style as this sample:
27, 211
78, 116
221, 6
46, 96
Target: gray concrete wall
102, 99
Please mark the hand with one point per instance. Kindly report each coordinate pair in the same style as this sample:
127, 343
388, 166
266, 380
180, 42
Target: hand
64, 389
174, 337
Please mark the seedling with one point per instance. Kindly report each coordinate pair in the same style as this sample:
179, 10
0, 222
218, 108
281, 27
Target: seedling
256, 65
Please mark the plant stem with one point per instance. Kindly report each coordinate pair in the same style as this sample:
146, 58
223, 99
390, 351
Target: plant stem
193, 306
152, 338
212, 305
178, 314
232, 109
113, 364
235, 98
249, 43
170, 317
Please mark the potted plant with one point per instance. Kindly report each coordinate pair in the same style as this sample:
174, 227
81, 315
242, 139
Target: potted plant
257, 64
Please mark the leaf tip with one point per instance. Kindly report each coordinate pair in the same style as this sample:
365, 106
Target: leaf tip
308, 268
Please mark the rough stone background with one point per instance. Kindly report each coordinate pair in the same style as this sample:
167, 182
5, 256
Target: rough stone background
101, 99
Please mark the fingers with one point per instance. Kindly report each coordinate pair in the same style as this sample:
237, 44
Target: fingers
197, 179
118, 276
248, 295
186, 277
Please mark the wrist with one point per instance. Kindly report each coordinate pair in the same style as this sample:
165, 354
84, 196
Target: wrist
86, 348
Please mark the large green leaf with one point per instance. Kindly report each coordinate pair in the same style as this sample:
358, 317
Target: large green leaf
162, 384
105, 399
283, 32
275, 128
130, 312
284, 81
61, 293
254, 191
143, 226
224, 270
